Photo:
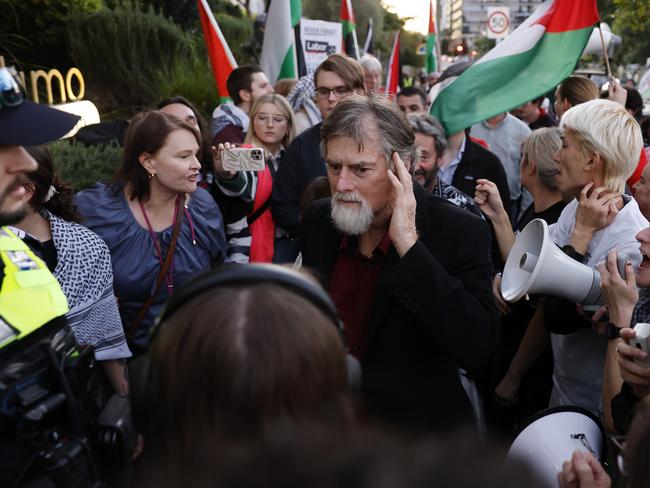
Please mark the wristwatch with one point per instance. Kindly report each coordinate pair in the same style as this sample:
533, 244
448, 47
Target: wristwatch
612, 331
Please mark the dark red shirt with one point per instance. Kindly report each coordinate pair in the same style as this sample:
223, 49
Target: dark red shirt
352, 288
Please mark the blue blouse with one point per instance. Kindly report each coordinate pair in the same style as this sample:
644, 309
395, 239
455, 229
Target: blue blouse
136, 266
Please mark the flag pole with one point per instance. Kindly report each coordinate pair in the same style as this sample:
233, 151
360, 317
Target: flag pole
438, 52
602, 41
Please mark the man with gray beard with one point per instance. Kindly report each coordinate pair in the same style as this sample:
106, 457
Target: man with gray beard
409, 272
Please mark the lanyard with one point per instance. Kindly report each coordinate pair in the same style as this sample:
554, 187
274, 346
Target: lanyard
169, 278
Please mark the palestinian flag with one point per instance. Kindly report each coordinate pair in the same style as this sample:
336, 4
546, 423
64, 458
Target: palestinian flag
394, 69
532, 60
350, 44
278, 59
432, 49
221, 58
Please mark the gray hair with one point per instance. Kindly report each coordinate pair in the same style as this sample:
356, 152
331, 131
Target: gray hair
539, 148
370, 63
350, 118
429, 126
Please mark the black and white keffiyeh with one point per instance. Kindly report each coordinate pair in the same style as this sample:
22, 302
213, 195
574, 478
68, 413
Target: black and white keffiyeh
84, 271
228, 114
302, 96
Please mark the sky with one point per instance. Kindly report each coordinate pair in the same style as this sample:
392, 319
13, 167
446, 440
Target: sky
419, 9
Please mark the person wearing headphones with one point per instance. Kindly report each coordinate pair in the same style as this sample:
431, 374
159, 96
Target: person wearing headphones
271, 359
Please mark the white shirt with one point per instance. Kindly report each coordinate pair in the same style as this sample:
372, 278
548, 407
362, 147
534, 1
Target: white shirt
579, 357
446, 173
505, 141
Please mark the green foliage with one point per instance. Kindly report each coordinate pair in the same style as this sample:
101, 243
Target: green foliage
33, 32
635, 46
392, 22
632, 15
409, 43
237, 31
193, 79
183, 12
82, 166
483, 45
125, 52
629, 19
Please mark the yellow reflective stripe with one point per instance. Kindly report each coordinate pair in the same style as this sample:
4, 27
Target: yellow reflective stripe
28, 298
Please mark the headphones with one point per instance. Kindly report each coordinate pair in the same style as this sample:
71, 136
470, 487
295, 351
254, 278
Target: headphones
143, 385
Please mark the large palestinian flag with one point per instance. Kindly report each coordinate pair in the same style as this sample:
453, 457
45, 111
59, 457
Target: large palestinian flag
533, 59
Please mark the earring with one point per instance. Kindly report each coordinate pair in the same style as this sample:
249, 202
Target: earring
151, 175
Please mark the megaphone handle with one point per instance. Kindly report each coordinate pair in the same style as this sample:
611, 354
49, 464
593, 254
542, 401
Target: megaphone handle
621, 259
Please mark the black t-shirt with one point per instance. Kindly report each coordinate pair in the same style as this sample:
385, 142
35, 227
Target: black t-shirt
49, 255
544, 120
44, 250
550, 215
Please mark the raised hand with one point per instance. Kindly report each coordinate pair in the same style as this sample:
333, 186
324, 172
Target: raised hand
597, 207
217, 162
488, 199
402, 230
616, 93
636, 375
621, 294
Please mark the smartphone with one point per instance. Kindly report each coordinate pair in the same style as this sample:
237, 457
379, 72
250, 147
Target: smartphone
642, 341
243, 159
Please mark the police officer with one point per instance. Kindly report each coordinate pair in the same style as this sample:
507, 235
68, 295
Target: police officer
32, 307
25, 281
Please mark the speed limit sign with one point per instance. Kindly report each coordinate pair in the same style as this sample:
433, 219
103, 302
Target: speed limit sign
498, 22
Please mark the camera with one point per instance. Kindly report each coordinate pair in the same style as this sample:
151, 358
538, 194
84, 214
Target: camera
57, 416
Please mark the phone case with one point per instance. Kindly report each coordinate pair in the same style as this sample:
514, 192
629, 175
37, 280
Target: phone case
243, 159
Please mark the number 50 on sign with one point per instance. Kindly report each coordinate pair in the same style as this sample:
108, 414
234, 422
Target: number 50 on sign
498, 22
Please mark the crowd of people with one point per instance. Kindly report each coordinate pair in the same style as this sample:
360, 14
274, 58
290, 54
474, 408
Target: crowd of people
352, 288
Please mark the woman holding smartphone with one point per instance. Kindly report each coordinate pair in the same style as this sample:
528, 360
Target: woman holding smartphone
251, 238
159, 228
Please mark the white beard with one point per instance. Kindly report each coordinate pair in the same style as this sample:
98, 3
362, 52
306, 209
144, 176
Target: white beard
351, 220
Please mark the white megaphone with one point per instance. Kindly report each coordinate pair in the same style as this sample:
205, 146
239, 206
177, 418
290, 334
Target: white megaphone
550, 437
595, 43
536, 265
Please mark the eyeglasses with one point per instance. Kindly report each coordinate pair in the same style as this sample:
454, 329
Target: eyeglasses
339, 91
10, 93
264, 118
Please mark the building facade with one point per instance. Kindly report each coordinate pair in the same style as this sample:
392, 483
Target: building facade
466, 20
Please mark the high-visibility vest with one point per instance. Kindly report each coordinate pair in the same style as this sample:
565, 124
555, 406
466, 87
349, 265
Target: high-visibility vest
30, 296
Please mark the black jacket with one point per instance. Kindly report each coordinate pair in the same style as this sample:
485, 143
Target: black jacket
432, 312
476, 163
300, 165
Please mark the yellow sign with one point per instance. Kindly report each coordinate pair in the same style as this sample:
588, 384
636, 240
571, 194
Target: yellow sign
65, 89
56, 74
